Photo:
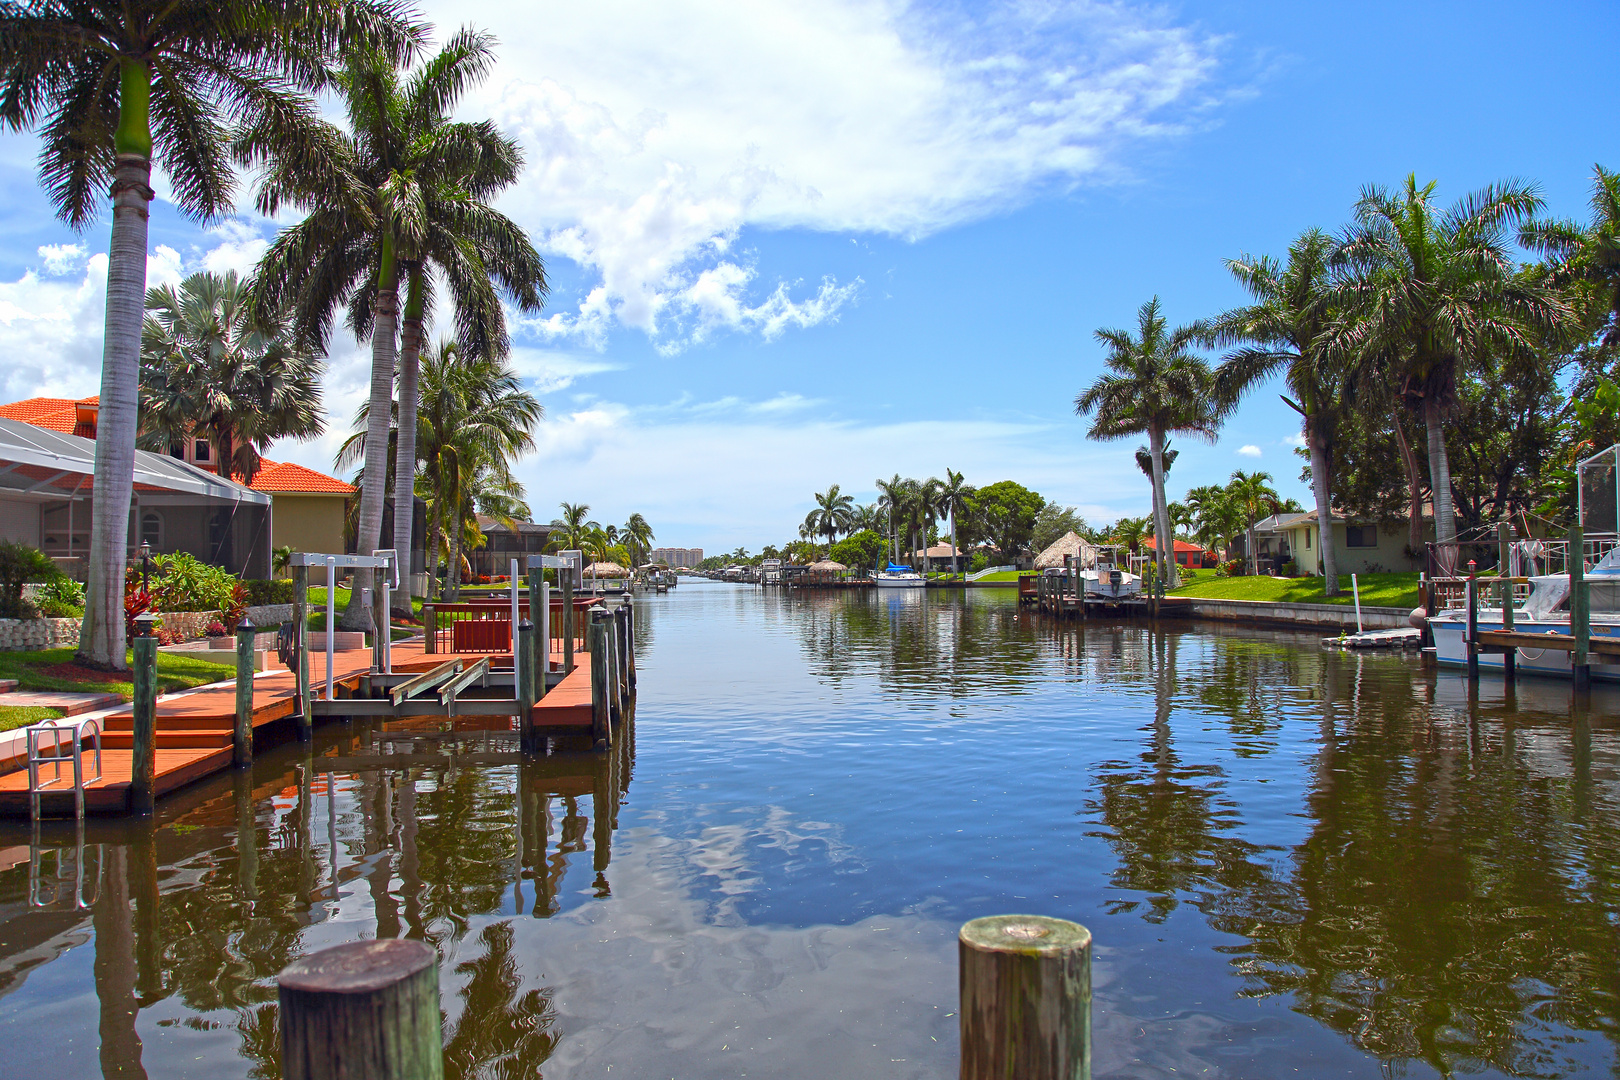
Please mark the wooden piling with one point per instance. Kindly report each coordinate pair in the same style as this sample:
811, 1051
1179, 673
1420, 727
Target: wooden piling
597, 640
242, 735
143, 763
306, 712
1471, 589
1025, 985
430, 620
540, 648
1504, 572
630, 639
1580, 611
525, 674
381, 618
363, 1009
565, 578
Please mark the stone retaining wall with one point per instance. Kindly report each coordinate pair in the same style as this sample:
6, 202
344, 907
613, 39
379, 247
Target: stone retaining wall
1324, 616
27, 635
272, 615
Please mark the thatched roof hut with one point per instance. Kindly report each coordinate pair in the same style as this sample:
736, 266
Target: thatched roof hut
828, 565
1070, 544
605, 569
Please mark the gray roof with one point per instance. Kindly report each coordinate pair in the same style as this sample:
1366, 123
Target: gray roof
42, 461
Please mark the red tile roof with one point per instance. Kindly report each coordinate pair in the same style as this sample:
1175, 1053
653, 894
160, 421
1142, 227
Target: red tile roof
56, 414
293, 479
1181, 545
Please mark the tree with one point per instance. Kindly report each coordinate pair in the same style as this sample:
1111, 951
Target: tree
1128, 532
1436, 288
1587, 256
928, 509
954, 494
1154, 385
1286, 330
1004, 513
213, 366
861, 550
568, 531
1053, 523
892, 499
831, 515
398, 200
111, 88
1253, 495
638, 537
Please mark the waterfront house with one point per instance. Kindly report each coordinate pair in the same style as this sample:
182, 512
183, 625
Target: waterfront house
1187, 554
505, 541
935, 557
1363, 545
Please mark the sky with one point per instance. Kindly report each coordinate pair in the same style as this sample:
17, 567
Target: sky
797, 245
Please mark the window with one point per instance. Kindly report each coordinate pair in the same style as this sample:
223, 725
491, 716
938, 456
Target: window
1307, 539
152, 529
201, 451
177, 450
1361, 536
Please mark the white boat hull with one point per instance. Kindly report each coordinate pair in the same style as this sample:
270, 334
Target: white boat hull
1450, 648
899, 581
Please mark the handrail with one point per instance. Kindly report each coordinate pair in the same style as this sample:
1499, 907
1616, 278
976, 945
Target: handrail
56, 727
987, 571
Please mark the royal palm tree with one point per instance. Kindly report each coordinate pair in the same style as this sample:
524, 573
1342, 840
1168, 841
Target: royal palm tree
401, 198
111, 88
1254, 497
1437, 288
1587, 256
1287, 330
892, 499
831, 515
212, 366
568, 531
637, 535
1154, 385
954, 494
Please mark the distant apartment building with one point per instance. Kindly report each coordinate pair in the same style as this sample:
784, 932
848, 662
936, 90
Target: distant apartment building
678, 556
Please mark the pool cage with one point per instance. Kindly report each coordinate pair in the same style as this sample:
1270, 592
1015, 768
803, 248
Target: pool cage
1598, 478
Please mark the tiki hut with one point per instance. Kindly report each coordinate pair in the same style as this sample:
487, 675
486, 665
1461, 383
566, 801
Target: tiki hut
823, 572
605, 570
828, 565
1071, 544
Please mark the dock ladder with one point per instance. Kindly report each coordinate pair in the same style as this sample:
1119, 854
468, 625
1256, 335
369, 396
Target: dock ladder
56, 728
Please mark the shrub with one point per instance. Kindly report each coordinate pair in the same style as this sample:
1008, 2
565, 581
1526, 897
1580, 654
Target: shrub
234, 607
184, 583
1290, 569
979, 562
216, 629
61, 598
19, 564
260, 593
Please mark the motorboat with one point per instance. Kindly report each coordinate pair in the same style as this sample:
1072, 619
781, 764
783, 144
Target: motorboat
1111, 580
1545, 611
898, 577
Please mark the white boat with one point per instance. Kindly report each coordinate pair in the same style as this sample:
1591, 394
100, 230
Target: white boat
898, 577
1109, 580
1545, 611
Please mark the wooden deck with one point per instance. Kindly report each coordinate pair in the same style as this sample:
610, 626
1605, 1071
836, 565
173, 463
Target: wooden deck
195, 727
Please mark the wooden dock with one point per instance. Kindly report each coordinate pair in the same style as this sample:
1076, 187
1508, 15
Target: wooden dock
195, 727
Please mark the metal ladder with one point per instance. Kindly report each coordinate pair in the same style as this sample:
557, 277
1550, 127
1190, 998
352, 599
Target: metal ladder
56, 728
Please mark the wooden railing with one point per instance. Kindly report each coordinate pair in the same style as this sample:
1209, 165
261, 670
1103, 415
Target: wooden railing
485, 626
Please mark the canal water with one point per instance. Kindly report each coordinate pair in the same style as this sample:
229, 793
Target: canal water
1295, 862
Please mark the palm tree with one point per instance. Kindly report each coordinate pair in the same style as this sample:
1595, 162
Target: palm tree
399, 199
1253, 495
1154, 385
953, 500
638, 537
568, 531
1438, 288
831, 515
1128, 532
113, 87
1587, 255
892, 498
928, 509
1214, 516
865, 516
1286, 330
212, 367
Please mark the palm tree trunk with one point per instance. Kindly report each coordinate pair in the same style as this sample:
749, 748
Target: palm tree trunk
1414, 486
956, 553
452, 573
1445, 528
432, 564
410, 351
1164, 549
375, 482
101, 636
1321, 484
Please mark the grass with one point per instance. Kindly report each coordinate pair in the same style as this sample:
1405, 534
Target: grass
1377, 590
175, 671
1003, 575
16, 716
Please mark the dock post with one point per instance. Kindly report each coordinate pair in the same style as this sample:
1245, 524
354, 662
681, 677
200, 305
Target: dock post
1504, 544
540, 640
381, 619
524, 674
565, 577
1580, 611
1025, 987
630, 641
242, 737
1471, 597
430, 620
143, 710
306, 712
597, 641
367, 1008
621, 635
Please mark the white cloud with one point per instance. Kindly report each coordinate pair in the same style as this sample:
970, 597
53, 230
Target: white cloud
1297, 439
1249, 450
657, 132
240, 248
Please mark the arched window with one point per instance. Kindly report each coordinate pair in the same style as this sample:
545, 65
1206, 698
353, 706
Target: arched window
152, 529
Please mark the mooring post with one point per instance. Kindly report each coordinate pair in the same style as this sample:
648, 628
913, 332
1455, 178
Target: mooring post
1471, 627
596, 640
143, 710
565, 578
242, 737
1504, 546
539, 644
630, 638
381, 619
430, 620
1025, 986
1580, 611
364, 1009
524, 674
306, 713
621, 642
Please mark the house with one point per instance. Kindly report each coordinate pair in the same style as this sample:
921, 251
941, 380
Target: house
1187, 554
46, 476
1363, 545
936, 557
504, 542
309, 507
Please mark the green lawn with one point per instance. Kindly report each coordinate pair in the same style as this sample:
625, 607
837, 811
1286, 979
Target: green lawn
1003, 575
175, 671
16, 716
1377, 590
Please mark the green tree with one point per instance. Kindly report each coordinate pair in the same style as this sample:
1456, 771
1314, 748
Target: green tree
1004, 514
1435, 288
1587, 256
831, 515
400, 199
1286, 330
861, 550
212, 366
568, 531
1053, 523
1154, 385
1254, 497
111, 88
638, 537
953, 500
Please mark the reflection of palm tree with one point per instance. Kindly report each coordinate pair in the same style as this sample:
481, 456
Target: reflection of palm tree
500, 1033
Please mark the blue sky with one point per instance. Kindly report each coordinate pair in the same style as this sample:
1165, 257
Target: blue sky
792, 246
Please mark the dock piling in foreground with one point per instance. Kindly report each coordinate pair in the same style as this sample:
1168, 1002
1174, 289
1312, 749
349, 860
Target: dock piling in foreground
364, 1009
1025, 985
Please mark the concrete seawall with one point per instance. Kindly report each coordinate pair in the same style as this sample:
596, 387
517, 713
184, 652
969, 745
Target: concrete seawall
1274, 613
